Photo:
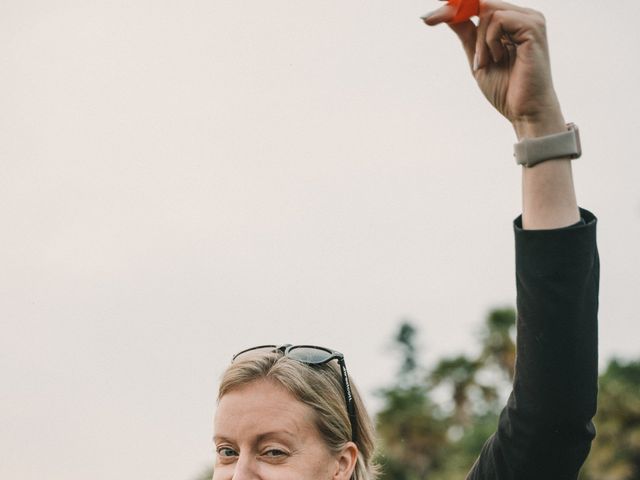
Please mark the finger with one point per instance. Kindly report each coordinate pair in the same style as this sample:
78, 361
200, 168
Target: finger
467, 33
510, 50
494, 37
495, 5
517, 27
442, 15
481, 59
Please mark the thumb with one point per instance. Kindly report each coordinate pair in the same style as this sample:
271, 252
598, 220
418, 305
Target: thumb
467, 33
441, 15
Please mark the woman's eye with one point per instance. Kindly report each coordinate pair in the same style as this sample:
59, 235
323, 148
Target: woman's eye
226, 452
275, 453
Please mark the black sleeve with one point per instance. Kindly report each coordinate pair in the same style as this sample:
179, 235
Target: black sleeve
545, 431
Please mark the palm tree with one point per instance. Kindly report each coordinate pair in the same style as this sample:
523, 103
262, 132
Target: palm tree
412, 433
497, 338
460, 374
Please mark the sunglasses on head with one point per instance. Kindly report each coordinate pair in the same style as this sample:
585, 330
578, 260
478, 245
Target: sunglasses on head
313, 355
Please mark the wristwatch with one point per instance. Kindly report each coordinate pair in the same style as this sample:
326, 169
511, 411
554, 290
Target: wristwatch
531, 151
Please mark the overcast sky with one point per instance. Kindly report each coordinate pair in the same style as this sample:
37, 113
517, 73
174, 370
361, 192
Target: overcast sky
180, 179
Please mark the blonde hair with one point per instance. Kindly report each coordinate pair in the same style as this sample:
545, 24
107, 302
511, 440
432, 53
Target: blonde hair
319, 387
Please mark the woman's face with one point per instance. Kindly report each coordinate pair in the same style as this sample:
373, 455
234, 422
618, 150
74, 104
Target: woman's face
262, 432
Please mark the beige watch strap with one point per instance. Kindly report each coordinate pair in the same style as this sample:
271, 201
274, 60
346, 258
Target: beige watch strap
531, 151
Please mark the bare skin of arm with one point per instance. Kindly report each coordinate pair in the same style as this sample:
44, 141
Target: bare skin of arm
509, 57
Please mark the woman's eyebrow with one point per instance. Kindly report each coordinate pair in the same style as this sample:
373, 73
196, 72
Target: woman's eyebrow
275, 433
259, 438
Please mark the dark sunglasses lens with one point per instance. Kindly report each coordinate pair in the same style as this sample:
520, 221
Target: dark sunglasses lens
310, 354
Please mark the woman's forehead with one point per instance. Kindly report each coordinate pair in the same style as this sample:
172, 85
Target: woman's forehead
261, 408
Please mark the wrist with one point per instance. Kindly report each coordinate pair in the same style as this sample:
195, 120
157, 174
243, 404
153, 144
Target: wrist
540, 125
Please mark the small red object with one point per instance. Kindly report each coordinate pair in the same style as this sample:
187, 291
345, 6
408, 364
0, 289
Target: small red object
465, 9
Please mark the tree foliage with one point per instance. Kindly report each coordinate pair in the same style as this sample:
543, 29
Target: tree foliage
616, 452
459, 422
434, 423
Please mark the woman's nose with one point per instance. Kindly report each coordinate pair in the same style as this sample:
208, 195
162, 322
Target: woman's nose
245, 469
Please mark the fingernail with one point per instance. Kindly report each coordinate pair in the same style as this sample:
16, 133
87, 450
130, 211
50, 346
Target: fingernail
475, 62
426, 17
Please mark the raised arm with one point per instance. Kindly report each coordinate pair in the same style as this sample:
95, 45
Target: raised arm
545, 431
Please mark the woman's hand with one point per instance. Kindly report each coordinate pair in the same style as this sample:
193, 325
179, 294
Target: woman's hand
509, 55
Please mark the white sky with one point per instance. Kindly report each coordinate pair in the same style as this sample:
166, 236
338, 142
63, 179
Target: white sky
182, 179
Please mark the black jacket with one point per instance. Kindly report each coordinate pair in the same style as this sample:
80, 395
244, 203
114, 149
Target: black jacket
545, 431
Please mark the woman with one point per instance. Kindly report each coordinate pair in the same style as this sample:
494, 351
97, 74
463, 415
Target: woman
290, 413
